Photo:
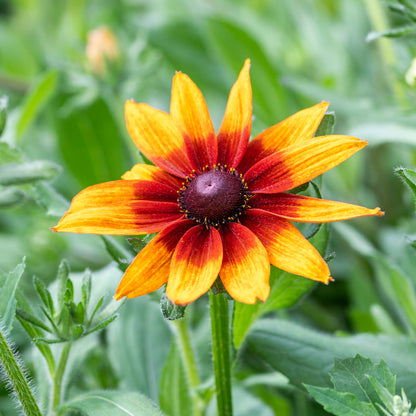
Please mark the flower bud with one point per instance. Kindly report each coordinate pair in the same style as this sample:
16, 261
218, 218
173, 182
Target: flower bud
102, 49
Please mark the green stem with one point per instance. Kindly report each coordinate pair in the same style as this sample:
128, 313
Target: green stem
379, 23
221, 352
17, 379
185, 346
59, 375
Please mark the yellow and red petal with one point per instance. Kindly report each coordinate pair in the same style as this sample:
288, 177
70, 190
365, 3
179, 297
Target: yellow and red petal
123, 218
150, 269
298, 164
297, 128
145, 172
287, 248
245, 268
190, 112
115, 192
306, 209
195, 264
235, 129
159, 138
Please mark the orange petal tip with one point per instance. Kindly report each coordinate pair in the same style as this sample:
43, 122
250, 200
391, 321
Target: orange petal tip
329, 279
378, 212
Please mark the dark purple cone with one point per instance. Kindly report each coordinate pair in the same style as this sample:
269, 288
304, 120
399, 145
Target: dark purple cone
216, 196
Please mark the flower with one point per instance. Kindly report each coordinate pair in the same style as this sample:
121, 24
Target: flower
218, 202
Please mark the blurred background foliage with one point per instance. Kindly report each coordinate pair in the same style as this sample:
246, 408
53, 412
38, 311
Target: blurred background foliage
65, 130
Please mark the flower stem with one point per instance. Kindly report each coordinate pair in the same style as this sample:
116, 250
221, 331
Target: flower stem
59, 375
17, 379
191, 369
221, 352
188, 355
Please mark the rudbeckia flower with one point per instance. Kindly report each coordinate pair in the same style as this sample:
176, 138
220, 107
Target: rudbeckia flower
218, 202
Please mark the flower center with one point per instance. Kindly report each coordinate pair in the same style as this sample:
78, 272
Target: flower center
214, 197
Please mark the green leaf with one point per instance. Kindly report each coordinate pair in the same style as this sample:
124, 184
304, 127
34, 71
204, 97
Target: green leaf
341, 404
119, 254
91, 144
9, 154
234, 44
11, 196
385, 394
352, 375
392, 33
139, 343
61, 278
327, 125
28, 317
49, 199
36, 100
409, 178
306, 356
86, 288
175, 394
44, 295
285, 291
9, 284
28, 172
405, 296
3, 113
137, 244
112, 403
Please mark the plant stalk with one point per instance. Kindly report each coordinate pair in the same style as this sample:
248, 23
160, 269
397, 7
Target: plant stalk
17, 379
221, 352
191, 369
59, 375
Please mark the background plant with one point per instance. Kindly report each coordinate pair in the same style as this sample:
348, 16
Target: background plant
62, 129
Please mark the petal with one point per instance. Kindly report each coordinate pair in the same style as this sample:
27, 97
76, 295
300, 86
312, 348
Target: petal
189, 111
195, 264
306, 209
145, 172
125, 218
245, 269
288, 249
159, 139
297, 128
115, 192
235, 129
121, 207
298, 164
150, 269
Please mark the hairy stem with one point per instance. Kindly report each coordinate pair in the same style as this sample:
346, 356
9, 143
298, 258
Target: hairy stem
17, 379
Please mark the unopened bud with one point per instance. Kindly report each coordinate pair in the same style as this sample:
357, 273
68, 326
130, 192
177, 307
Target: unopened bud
102, 49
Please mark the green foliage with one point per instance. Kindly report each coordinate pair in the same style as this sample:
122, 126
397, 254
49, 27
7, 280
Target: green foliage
361, 388
3, 113
8, 285
94, 130
65, 130
67, 319
112, 403
139, 345
175, 393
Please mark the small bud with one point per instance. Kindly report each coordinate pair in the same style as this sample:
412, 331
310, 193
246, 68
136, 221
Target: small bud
102, 49
170, 311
